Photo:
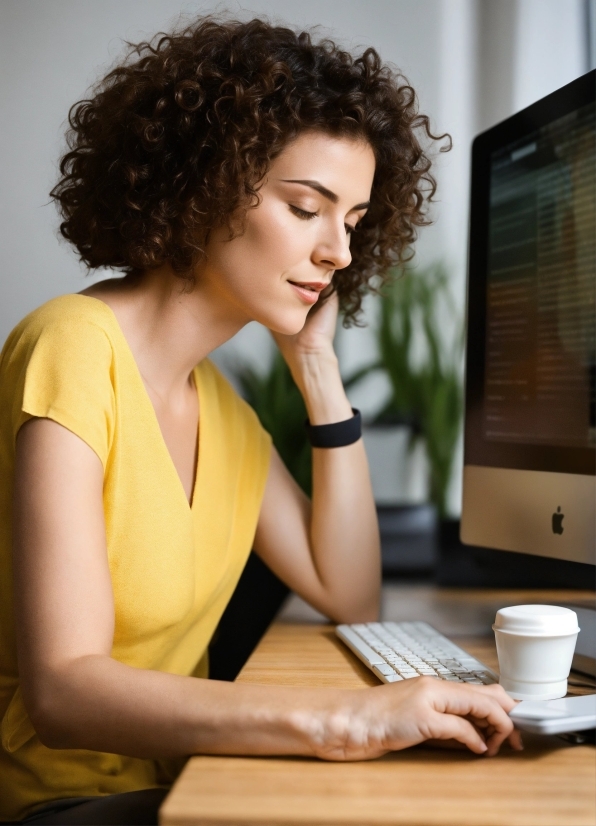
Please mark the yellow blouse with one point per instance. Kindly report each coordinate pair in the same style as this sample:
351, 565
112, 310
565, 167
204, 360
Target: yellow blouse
173, 566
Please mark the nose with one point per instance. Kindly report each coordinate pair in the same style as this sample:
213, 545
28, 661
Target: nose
333, 248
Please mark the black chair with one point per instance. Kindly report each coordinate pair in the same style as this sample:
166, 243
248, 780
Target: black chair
254, 604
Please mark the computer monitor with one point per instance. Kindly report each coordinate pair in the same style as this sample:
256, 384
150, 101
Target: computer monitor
529, 480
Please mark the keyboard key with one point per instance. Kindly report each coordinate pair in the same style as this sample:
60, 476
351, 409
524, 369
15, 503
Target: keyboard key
383, 669
487, 679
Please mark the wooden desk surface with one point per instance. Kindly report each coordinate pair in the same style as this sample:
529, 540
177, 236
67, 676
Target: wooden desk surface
550, 783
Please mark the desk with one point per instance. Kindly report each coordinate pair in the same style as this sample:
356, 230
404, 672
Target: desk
550, 783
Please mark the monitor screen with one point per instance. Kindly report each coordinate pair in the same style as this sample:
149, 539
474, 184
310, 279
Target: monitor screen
539, 381
530, 427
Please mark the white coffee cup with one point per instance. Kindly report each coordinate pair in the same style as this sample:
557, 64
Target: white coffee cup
535, 645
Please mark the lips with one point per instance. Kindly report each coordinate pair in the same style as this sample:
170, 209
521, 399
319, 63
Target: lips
315, 286
308, 291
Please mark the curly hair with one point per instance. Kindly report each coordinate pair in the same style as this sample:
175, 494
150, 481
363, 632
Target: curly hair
178, 137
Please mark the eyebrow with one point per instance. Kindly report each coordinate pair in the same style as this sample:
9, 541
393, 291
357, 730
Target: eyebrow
326, 193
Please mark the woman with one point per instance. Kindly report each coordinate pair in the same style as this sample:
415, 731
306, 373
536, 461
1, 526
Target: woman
234, 172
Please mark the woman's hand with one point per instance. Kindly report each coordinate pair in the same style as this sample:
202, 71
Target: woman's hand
396, 716
315, 340
312, 361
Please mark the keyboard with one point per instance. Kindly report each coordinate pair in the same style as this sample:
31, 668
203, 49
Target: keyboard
397, 651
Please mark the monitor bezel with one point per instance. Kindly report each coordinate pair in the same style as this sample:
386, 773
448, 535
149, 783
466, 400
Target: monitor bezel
477, 449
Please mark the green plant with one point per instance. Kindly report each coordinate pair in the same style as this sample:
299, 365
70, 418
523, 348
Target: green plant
279, 405
423, 369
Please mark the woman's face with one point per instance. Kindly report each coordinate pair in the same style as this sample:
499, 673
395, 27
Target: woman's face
315, 193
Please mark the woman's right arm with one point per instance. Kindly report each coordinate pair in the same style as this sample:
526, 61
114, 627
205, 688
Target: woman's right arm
78, 696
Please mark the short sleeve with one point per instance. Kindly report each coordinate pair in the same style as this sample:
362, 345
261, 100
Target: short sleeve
66, 374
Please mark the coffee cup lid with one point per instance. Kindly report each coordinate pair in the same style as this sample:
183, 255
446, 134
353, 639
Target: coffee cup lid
537, 620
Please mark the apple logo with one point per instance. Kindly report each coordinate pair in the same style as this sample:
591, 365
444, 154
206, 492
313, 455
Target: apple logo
558, 521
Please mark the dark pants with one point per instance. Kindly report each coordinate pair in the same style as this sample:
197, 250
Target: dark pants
139, 807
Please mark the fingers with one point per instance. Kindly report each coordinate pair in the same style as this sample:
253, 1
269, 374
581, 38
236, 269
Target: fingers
486, 706
500, 695
452, 745
450, 727
515, 740
495, 738
488, 703
487, 731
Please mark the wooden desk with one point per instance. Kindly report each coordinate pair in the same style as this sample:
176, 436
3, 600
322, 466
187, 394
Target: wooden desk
550, 783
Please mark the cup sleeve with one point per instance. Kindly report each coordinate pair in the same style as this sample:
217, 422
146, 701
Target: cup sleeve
68, 376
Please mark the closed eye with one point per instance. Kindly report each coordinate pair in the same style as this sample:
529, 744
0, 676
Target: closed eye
302, 213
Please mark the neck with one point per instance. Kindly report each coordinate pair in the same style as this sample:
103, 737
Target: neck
169, 326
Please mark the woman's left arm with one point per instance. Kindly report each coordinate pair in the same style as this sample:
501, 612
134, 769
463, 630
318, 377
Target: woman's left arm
328, 550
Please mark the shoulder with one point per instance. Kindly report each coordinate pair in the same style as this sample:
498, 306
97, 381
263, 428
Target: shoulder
65, 332
68, 333
69, 319
58, 364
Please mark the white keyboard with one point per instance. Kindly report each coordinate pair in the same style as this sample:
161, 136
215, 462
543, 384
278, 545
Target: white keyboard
401, 650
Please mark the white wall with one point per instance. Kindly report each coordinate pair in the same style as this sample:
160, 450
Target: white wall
551, 41
473, 62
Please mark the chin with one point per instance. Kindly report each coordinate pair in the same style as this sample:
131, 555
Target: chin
286, 324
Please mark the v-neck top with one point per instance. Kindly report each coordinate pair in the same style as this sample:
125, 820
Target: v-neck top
173, 566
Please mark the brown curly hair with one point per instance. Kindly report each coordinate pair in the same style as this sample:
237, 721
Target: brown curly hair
177, 139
